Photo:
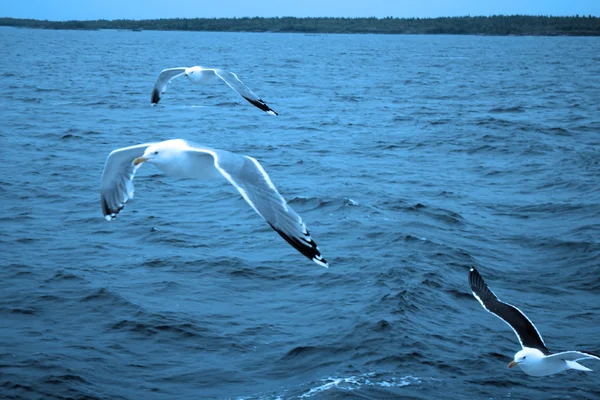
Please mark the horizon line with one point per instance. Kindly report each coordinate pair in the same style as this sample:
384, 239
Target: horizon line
320, 17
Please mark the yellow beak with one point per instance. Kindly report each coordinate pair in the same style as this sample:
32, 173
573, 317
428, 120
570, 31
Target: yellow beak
511, 364
139, 160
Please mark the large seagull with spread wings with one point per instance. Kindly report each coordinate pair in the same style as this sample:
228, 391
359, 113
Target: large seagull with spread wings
182, 159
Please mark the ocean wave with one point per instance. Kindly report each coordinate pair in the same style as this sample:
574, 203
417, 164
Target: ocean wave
557, 131
103, 295
550, 207
70, 136
96, 103
162, 326
62, 275
227, 104
36, 100
350, 98
258, 272
309, 351
40, 89
61, 379
318, 203
22, 310
437, 214
514, 109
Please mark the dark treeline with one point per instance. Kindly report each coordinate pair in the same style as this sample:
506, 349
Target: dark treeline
494, 25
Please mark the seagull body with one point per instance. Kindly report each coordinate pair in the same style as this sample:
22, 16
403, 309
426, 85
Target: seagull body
534, 359
201, 75
182, 159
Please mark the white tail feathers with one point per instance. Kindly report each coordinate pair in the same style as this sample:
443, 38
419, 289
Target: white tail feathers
577, 366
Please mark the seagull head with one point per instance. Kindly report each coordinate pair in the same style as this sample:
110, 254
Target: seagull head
161, 153
193, 71
526, 356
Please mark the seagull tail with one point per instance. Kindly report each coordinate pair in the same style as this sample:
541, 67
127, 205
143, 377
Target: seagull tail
577, 366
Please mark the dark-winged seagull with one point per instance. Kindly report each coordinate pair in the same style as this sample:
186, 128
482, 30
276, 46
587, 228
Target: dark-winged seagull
535, 359
182, 159
207, 75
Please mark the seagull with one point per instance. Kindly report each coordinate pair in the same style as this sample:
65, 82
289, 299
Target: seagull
207, 75
182, 159
535, 359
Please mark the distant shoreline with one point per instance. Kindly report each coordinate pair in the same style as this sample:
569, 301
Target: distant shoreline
513, 25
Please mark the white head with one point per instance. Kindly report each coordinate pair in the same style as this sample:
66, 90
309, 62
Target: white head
193, 71
526, 356
163, 153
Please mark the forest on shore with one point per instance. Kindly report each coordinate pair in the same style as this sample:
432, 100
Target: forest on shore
492, 25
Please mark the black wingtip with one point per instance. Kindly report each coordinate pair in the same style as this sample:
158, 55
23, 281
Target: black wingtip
105, 210
478, 285
475, 280
307, 247
109, 214
155, 96
262, 105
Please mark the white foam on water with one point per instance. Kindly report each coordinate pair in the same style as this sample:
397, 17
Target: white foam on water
356, 382
262, 397
350, 383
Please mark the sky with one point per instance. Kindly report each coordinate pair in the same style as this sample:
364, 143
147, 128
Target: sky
150, 9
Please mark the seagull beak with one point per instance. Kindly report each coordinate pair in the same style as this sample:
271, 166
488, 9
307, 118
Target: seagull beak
139, 160
511, 364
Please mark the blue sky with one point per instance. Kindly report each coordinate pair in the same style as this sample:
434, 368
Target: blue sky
144, 9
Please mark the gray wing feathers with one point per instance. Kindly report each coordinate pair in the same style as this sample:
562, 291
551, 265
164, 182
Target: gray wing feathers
117, 179
164, 78
251, 180
236, 84
574, 356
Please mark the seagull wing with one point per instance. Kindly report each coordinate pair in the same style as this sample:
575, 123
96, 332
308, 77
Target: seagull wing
525, 330
574, 356
236, 84
117, 179
255, 186
164, 78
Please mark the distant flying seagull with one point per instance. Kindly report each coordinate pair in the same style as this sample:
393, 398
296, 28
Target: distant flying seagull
207, 75
535, 359
181, 159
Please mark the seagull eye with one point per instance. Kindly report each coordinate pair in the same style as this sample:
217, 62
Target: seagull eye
156, 152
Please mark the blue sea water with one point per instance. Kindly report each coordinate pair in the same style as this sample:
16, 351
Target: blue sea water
410, 158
